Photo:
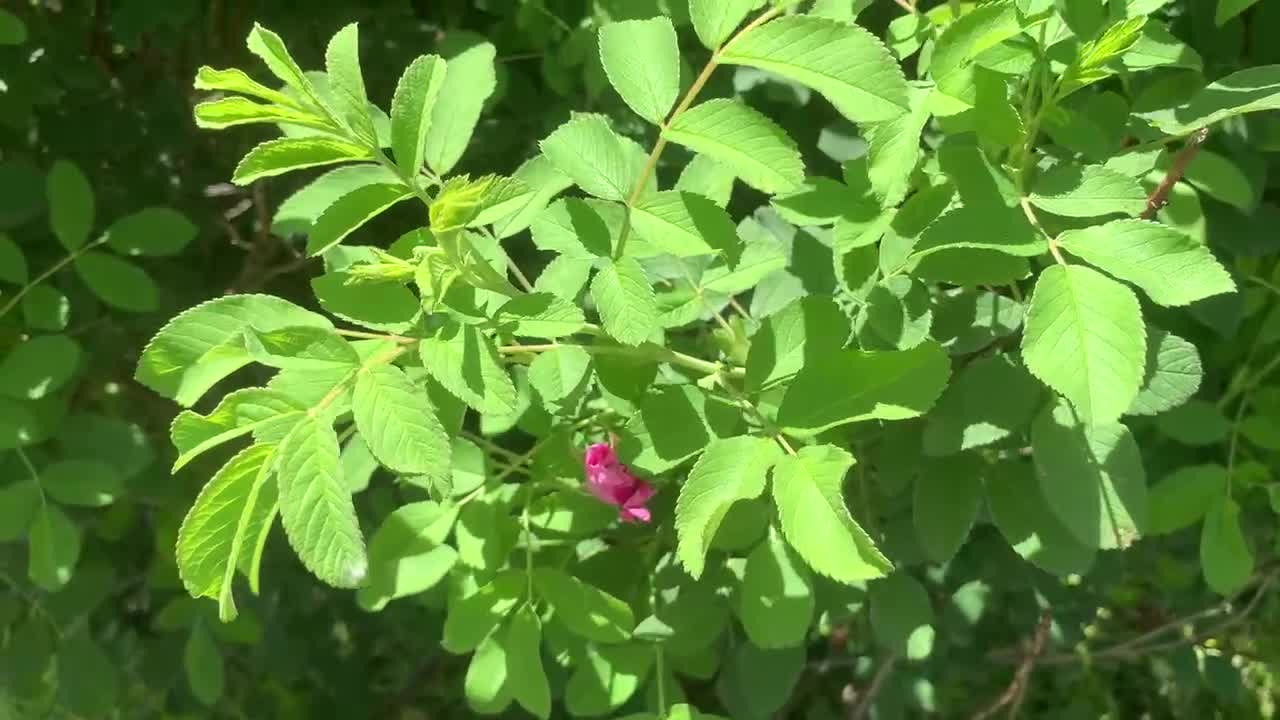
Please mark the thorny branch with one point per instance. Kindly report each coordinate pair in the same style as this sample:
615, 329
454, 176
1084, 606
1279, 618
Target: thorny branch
1176, 171
1013, 695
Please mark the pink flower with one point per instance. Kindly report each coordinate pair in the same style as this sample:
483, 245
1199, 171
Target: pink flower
611, 482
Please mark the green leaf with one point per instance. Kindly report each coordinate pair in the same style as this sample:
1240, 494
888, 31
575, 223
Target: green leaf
1225, 557
896, 315
346, 82
53, 548
1182, 497
386, 307
399, 422
586, 610
1090, 191
989, 400
485, 685
597, 159
19, 502
298, 213
1221, 179
685, 225
674, 422
526, 677
969, 321
277, 157
756, 683
471, 619
13, 264
1091, 476
893, 149
743, 140
412, 109
953, 63
469, 81
560, 376
319, 517
45, 308
902, 616
266, 413
350, 212
39, 366
625, 301
642, 61
1085, 338
808, 490
708, 178
406, 554
1173, 374
89, 483
153, 232
466, 363
729, 470
715, 20
776, 600
203, 665
71, 204
1172, 268
541, 315
853, 386
233, 111
18, 424
1019, 509
1228, 9
1004, 230
800, 334
948, 496
238, 81
90, 685
217, 532
12, 30
1255, 89
268, 46
542, 182
847, 64
201, 346
118, 283
605, 678
1196, 422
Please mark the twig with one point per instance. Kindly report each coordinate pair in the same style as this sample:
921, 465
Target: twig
868, 696
1012, 695
1176, 171
907, 6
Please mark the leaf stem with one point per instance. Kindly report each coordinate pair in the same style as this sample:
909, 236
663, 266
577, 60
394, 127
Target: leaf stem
648, 351
70, 258
1188, 153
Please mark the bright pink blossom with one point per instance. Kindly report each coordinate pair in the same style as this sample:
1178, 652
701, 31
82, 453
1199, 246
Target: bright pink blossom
611, 482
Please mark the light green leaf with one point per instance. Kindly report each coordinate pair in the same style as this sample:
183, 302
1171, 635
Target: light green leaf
852, 386
1091, 476
399, 422
715, 20
154, 232
118, 283
1228, 9
1225, 557
844, 62
1172, 268
1182, 497
969, 321
53, 548
233, 111
707, 178
808, 489
776, 599
605, 678
267, 414
319, 517
71, 204
1222, 179
1252, 90
1173, 374
1091, 191
1019, 509
466, 363
584, 609
351, 211
268, 46
596, 158
804, 331
542, 182
1004, 230
1085, 338
541, 315
13, 264
745, 141
471, 619
560, 375
238, 81
88, 483
729, 470
469, 81
963, 41
989, 400
39, 366
277, 157
346, 82
406, 554
902, 616
893, 149
299, 212
203, 665
303, 347
485, 685
674, 422
201, 346
525, 676
386, 307
412, 109
642, 60
685, 225
625, 301
948, 497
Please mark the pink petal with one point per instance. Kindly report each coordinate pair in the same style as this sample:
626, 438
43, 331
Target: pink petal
635, 515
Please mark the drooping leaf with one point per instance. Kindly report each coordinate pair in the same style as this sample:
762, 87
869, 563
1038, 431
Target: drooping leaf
473, 618
266, 413
233, 111
93, 689
948, 497
844, 62
808, 490
729, 470
203, 665
642, 61
525, 675
1085, 338
319, 517
469, 81
776, 600
748, 143
1225, 557
1172, 268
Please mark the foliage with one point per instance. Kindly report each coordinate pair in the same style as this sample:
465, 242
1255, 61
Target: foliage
944, 336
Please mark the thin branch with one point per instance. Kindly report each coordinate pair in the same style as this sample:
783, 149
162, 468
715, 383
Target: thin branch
1013, 694
868, 696
1176, 171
